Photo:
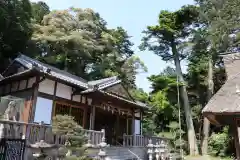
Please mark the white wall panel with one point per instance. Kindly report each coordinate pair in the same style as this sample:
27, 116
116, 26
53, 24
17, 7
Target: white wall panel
64, 91
46, 86
14, 86
22, 84
31, 81
137, 114
77, 98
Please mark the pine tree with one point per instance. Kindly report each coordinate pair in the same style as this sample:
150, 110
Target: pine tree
65, 125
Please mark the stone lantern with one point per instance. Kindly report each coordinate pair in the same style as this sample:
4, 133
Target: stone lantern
157, 146
102, 153
162, 150
42, 150
150, 149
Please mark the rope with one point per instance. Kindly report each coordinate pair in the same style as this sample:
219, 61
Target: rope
179, 118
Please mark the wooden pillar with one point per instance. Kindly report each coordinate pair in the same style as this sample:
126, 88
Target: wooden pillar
127, 125
236, 131
141, 119
54, 98
133, 122
117, 127
34, 98
93, 113
85, 118
133, 127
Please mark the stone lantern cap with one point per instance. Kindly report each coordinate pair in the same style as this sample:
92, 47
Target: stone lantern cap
42, 144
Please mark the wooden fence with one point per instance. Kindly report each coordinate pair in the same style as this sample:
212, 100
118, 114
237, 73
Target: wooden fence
34, 132
140, 140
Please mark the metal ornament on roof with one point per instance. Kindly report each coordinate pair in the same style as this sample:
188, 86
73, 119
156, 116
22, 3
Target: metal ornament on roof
237, 89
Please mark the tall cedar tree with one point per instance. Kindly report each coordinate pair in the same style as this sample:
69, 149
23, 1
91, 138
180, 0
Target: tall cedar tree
165, 40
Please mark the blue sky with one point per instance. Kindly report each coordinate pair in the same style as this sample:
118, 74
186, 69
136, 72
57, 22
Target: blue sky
134, 16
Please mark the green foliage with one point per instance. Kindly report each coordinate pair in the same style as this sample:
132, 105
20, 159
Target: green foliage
15, 29
65, 125
174, 135
159, 100
218, 143
39, 10
77, 40
223, 24
172, 28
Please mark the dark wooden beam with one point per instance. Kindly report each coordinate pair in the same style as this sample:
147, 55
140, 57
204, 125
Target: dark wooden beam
235, 131
54, 98
85, 118
93, 115
34, 98
27, 84
133, 122
18, 85
141, 119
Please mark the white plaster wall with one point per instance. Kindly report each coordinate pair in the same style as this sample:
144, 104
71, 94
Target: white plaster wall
46, 86
137, 126
137, 114
64, 91
77, 98
22, 84
31, 81
14, 87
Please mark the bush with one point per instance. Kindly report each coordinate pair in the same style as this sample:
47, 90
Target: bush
65, 125
219, 143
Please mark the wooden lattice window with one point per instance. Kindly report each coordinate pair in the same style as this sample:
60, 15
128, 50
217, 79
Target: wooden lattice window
77, 113
67, 109
62, 109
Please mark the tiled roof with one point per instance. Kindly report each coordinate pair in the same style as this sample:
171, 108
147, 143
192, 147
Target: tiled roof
55, 72
33, 65
106, 82
1, 77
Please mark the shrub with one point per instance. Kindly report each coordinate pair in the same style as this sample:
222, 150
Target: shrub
219, 143
65, 125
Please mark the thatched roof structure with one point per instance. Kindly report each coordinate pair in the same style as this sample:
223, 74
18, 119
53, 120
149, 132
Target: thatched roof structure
227, 100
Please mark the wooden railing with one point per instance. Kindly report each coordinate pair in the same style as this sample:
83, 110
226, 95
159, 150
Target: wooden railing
94, 137
140, 140
34, 132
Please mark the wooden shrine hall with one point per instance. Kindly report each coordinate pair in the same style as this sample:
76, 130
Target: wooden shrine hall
95, 105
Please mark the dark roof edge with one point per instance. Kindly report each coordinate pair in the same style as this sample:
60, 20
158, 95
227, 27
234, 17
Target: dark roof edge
128, 101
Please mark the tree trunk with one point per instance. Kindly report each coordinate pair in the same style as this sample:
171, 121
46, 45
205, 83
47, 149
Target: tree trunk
206, 123
193, 148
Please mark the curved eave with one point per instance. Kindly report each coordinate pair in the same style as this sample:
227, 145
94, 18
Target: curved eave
132, 103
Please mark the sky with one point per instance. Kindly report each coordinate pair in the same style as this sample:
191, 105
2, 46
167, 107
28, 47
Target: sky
134, 16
